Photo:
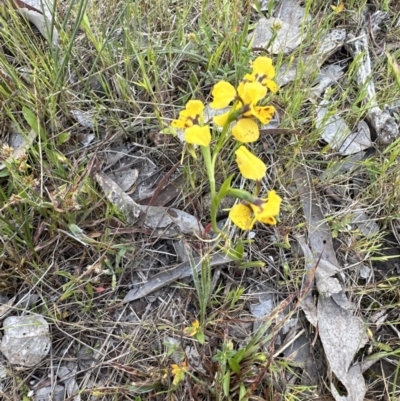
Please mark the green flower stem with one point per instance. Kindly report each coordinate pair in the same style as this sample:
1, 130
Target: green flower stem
210, 161
241, 194
210, 167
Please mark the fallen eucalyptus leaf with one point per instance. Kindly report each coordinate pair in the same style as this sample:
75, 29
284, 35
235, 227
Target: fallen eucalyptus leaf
366, 226
125, 179
305, 66
67, 375
167, 222
327, 76
55, 393
167, 277
291, 12
39, 12
320, 240
342, 335
384, 124
130, 210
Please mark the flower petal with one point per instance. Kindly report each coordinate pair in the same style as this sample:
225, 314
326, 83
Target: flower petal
271, 85
262, 67
248, 78
221, 119
267, 208
250, 166
194, 108
178, 124
273, 203
241, 216
246, 130
198, 135
223, 93
268, 220
251, 92
263, 113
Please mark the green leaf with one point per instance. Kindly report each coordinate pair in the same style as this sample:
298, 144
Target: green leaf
31, 119
225, 187
239, 355
89, 289
242, 393
231, 253
66, 295
234, 365
64, 137
239, 248
394, 67
200, 337
4, 173
226, 383
383, 347
256, 263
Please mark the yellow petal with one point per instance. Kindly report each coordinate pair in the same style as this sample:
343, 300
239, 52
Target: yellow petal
274, 202
194, 107
221, 119
186, 118
262, 66
178, 124
268, 220
241, 216
251, 92
271, 85
267, 208
263, 113
223, 93
249, 165
248, 78
339, 8
198, 135
246, 130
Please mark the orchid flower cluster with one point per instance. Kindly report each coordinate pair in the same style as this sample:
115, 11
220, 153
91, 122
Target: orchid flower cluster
241, 121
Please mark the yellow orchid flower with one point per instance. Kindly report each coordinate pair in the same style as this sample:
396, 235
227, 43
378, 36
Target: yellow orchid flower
192, 114
250, 166
191, 120
264, 210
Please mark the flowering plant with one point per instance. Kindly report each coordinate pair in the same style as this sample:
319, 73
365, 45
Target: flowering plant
241, 121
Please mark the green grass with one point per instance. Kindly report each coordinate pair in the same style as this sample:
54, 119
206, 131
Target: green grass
133, 66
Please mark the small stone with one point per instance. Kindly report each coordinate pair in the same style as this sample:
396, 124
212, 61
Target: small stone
26, 340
